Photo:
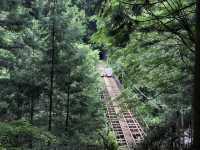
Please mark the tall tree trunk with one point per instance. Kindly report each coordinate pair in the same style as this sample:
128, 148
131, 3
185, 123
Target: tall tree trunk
32, 110
68, 104
19, 103
31, 118
196, 99
52, 51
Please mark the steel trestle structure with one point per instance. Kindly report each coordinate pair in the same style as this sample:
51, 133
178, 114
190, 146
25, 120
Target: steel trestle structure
125, 126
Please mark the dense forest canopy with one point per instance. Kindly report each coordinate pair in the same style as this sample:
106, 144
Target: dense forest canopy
151, 47
50, 90
48, 76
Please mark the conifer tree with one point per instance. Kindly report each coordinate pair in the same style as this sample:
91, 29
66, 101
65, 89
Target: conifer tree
48, 76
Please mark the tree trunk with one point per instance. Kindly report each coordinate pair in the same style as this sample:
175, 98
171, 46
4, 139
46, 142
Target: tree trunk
196, 99
68, 105
19, 103
32, 110
52, 51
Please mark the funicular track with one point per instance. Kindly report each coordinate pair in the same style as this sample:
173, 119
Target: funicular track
126, 128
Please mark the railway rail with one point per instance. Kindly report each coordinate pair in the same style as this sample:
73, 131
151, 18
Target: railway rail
125, 126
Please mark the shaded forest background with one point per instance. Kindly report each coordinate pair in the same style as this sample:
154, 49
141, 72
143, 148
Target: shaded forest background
50, 90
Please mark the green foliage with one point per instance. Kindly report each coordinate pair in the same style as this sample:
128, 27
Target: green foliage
112, 142
29, 31
109, 139
101, 37
152, 51
17, 134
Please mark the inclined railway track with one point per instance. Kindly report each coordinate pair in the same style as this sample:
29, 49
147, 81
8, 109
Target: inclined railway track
125, 126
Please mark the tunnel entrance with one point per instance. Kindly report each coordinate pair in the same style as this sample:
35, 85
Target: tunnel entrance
102, 55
